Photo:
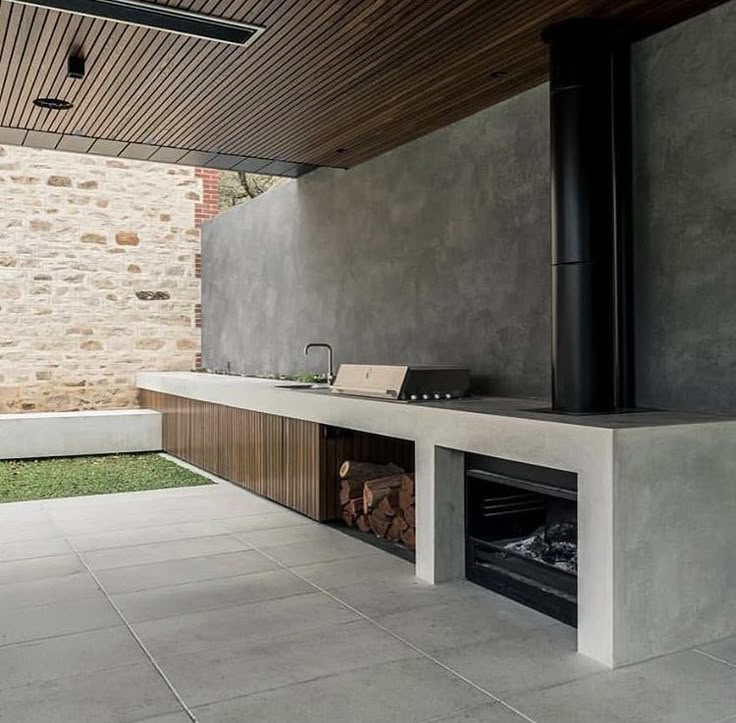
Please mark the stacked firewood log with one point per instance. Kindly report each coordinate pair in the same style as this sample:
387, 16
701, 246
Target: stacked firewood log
378, 498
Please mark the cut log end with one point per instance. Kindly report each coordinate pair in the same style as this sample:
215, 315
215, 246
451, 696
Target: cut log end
408, 537
362, 471
375, 490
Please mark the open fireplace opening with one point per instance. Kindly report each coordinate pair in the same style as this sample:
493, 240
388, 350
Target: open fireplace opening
521, 533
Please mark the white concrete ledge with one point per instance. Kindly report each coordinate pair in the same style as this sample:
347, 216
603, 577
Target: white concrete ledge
66, 434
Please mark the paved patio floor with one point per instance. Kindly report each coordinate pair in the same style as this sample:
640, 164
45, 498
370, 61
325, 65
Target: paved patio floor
214, 605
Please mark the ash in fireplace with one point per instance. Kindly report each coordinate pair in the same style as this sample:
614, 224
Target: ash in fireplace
555, 544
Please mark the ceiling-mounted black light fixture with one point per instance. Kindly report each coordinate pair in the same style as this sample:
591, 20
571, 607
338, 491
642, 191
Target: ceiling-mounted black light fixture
158, 17
52, 103
75, 67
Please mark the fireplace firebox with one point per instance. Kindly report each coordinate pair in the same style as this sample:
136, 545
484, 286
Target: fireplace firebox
521, 533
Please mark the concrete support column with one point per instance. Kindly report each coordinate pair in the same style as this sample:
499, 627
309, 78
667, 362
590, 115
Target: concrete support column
440, 505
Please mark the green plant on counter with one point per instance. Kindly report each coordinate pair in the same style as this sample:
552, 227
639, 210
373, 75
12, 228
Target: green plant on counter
302, 377
306, 378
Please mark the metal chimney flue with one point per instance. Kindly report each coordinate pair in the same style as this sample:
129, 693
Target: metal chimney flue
590, 125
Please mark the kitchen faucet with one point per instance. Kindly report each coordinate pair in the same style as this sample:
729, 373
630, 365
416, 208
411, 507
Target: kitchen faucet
314, 345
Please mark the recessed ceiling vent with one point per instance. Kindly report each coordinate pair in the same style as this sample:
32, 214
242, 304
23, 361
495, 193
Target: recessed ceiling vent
52, 103
156, 16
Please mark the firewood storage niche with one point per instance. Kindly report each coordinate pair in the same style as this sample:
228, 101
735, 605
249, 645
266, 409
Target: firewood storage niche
297, 463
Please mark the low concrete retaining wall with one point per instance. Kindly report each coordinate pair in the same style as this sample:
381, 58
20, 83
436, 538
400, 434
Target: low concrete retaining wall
63, 434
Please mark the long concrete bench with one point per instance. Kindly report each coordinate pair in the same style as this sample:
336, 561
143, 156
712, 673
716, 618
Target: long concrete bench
62, 434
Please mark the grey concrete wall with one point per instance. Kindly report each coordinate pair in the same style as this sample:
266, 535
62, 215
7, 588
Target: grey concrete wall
438, 251
435, 252
685, 99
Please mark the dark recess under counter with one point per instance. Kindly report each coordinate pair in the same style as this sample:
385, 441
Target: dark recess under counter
290, 461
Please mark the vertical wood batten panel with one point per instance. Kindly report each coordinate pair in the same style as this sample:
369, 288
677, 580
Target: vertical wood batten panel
290, 461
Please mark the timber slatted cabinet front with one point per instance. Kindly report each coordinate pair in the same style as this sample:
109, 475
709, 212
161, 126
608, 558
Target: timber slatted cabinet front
276, 457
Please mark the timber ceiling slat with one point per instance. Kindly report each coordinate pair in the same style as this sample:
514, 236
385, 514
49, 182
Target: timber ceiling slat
253, 91
145, 68
456, 108
390, 68
339, 58
241, 71
12, 38
360, 75
99, 86
59, 35
99, 39
165, 108
188, 62
8, 36
185, 88
449, 59
434, 91
88, 34
28, 32
262, 13
49, 86
38, 41
528, 76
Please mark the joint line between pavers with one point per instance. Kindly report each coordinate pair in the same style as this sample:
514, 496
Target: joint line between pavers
136, 637
714, 657
398, 637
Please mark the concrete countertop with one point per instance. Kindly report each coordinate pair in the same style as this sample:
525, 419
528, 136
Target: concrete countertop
275, 397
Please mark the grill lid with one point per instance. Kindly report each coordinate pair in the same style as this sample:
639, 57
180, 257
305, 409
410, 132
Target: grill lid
402, 382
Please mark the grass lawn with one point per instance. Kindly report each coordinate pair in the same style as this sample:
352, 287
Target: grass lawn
72, 476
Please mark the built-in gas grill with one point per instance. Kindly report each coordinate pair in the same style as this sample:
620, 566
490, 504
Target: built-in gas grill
402, 383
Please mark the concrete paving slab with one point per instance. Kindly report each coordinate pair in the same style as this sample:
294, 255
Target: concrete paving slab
376, 597
59, 657
267, 521
681, 688
724, 650
125, 694
162, 551
44, 621
464, 622
39, 568
251, 666
491, 713
47, 591
175, 572
307, 552
374, 565
524, 660
29, 549
413, 691
144, 535
233, 625
171, 601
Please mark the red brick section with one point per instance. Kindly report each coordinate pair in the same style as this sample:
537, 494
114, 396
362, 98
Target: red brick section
209, 206
207, 209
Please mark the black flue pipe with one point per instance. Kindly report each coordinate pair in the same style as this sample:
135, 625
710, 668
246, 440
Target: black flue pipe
590, 124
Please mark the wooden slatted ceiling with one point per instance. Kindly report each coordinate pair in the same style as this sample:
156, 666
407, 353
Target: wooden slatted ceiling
328, 83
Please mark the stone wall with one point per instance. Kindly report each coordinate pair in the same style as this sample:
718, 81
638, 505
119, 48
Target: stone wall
98, 276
